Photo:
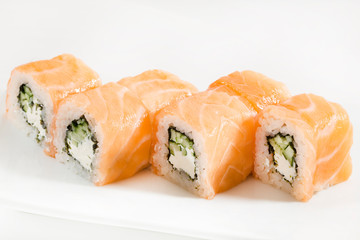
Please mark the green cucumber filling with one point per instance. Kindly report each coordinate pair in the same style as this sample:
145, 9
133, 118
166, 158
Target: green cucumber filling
33, 111
284, 153
81, 143
181, 153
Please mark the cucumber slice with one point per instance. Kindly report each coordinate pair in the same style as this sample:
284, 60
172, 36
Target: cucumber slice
183, 150
28, 91
186, 142
78, 132
31, 106
275, 146
178, 137
172, 134
173, 147
179, 143
281, 141
282, 145
289, 154
284, 153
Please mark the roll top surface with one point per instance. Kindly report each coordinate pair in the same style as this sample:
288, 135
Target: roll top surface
256, 89
61, 76
157, 89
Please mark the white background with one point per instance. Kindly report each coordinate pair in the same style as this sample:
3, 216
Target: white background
310, 46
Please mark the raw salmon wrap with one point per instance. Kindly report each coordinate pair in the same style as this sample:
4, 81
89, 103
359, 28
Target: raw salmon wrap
104, 133
35, 90
255, 89
157, 89
303, 145
205, 142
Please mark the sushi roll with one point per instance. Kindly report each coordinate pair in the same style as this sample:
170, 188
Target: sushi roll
35, 90
157, 89
103, 134
303, 145
201, 142
205, 142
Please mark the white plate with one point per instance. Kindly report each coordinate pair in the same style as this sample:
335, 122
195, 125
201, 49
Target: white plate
33, 182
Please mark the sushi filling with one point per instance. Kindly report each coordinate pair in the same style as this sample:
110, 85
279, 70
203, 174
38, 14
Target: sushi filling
33, 111
80, 143
284, 153
181, 153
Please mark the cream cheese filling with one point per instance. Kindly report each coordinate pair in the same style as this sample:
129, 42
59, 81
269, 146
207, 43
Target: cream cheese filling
33, 116
185, 163
283, 166
284, 154
81, 143
82, 151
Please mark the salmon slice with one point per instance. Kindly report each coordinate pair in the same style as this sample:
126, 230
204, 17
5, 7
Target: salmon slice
333, 134
60, 76
255, 89
157, 89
